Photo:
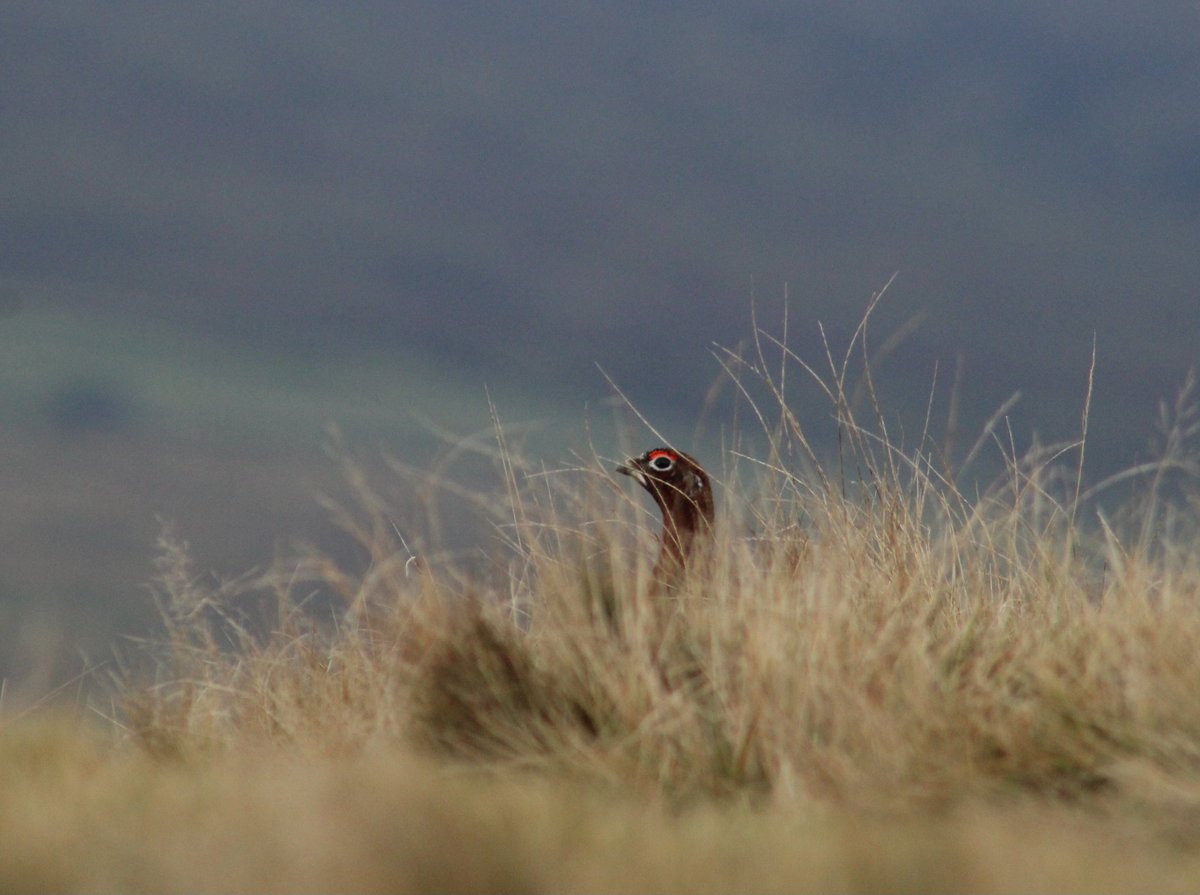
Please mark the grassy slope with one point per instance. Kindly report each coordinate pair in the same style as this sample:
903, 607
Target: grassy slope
113, 422
873, 683
76, 816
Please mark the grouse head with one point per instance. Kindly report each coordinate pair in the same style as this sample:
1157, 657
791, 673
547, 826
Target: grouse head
682, 491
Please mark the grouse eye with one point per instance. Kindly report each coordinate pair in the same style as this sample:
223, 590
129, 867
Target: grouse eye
661, 461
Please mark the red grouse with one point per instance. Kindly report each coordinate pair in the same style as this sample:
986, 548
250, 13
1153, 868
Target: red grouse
681, 489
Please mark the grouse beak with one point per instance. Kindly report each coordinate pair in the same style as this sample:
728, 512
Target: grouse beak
628, 468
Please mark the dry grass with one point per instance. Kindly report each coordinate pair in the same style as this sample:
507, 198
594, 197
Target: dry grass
874, 682
82, 816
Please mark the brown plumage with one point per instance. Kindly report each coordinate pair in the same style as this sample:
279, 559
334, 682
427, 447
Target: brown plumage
682, 491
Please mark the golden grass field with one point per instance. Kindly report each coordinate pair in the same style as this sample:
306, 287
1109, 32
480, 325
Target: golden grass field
873, 682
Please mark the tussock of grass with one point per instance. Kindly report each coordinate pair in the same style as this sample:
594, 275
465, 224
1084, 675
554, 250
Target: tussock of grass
884, 644
870, 680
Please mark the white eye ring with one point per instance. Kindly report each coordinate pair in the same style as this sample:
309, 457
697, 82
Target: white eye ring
661, 463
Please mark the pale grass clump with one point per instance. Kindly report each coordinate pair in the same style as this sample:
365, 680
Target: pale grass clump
860, 633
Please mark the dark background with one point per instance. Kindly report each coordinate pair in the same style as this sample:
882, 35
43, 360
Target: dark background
223, 226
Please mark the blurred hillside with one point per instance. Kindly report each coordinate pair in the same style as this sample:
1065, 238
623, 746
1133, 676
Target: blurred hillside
115, 424
521, 192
